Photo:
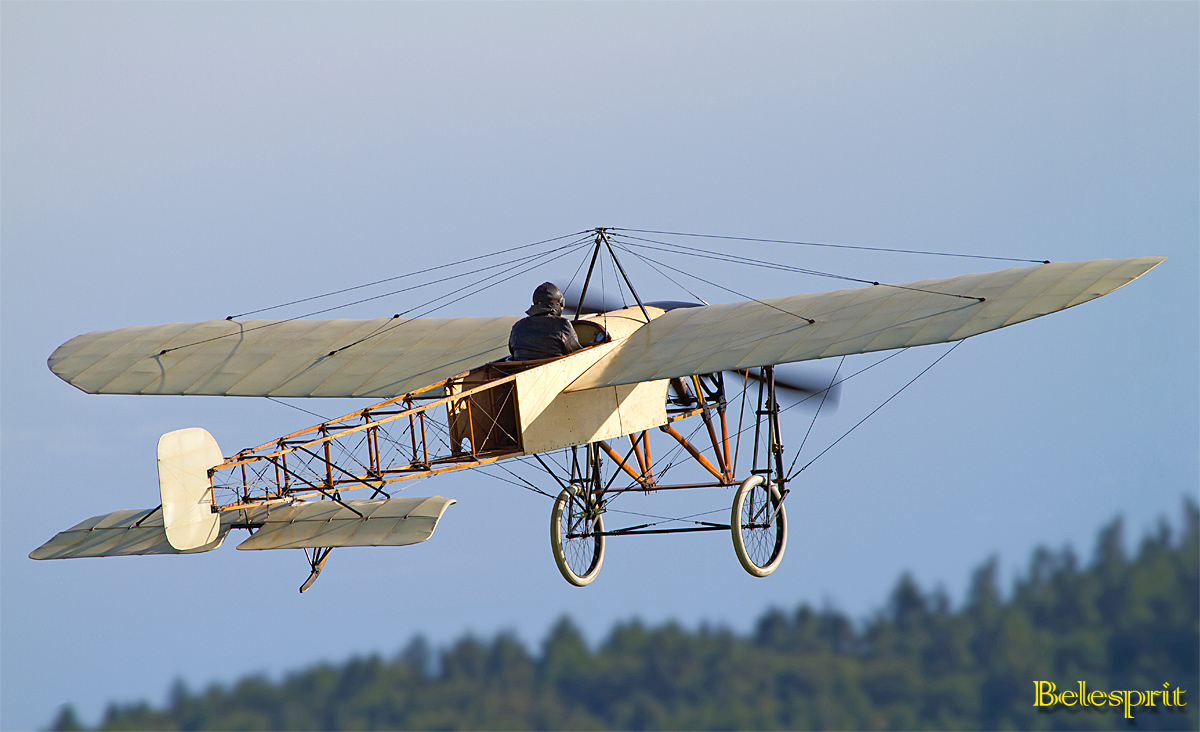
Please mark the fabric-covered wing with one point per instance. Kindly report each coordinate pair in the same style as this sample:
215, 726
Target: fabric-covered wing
875, 318
280, 358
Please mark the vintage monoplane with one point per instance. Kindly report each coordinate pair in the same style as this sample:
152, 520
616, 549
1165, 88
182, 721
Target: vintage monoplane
447, 398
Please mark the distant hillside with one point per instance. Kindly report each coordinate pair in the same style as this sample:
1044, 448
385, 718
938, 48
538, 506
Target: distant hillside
1122, 623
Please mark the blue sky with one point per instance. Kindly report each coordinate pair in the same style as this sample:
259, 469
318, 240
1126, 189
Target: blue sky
176, 162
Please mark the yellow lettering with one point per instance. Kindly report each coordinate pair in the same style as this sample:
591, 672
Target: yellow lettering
1046, 694
1128, 704
1041, 690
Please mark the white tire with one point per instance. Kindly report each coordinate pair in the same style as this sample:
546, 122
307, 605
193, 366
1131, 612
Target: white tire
759, 526
577, 538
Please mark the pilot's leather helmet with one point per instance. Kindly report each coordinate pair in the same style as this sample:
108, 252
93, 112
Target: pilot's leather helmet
547, 293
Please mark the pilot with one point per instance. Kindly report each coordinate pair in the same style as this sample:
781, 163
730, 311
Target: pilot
545, 333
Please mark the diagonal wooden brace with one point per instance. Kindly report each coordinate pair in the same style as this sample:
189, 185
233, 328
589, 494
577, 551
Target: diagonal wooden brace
694, 452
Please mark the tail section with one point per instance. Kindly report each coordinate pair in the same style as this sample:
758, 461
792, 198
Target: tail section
186, 524
184, 458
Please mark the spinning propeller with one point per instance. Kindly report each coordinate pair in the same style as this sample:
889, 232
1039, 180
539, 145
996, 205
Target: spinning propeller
808, 389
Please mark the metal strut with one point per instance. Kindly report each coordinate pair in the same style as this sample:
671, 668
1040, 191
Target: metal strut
588, 278
602, 241
602, 235
768, 413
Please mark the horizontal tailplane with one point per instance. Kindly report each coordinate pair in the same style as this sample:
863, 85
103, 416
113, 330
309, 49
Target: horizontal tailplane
365, 522
370, 522
119, 534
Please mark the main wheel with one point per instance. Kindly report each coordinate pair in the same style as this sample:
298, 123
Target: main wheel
759, 526
577, 537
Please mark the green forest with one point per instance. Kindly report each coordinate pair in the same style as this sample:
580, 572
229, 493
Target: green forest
1121, 622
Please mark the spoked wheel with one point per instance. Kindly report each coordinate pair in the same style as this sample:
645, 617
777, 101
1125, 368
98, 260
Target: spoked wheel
759, 526
577, 536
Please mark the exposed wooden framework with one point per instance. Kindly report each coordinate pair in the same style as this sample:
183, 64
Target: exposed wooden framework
459, 423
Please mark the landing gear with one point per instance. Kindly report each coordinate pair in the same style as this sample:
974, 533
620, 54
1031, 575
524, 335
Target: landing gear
758, 521
759, 526
577, 536
576, 523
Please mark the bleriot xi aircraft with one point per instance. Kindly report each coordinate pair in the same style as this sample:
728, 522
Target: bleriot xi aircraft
447, 397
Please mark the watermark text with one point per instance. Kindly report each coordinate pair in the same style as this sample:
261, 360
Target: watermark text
1046, 694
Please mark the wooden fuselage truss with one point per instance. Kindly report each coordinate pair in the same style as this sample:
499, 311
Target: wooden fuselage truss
496, 411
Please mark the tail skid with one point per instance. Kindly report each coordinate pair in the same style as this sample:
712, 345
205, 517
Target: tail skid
316, 561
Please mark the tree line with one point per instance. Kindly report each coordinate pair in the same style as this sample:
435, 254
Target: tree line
1122, 622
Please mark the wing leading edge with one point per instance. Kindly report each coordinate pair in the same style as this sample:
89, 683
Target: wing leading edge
876, 318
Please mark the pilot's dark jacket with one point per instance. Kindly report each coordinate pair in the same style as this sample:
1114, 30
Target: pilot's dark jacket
542, 335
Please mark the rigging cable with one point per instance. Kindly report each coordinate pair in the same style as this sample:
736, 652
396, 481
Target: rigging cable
873, 411
569, 248
523, 484
407, 274
387, 325
667, 519
293, 406
270, 324
742, 430
839, 382
833, 246
573, 276
824, 396
810, 321
735, 259
664, 274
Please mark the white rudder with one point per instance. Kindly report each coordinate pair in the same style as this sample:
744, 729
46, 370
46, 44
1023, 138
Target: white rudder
184, 458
